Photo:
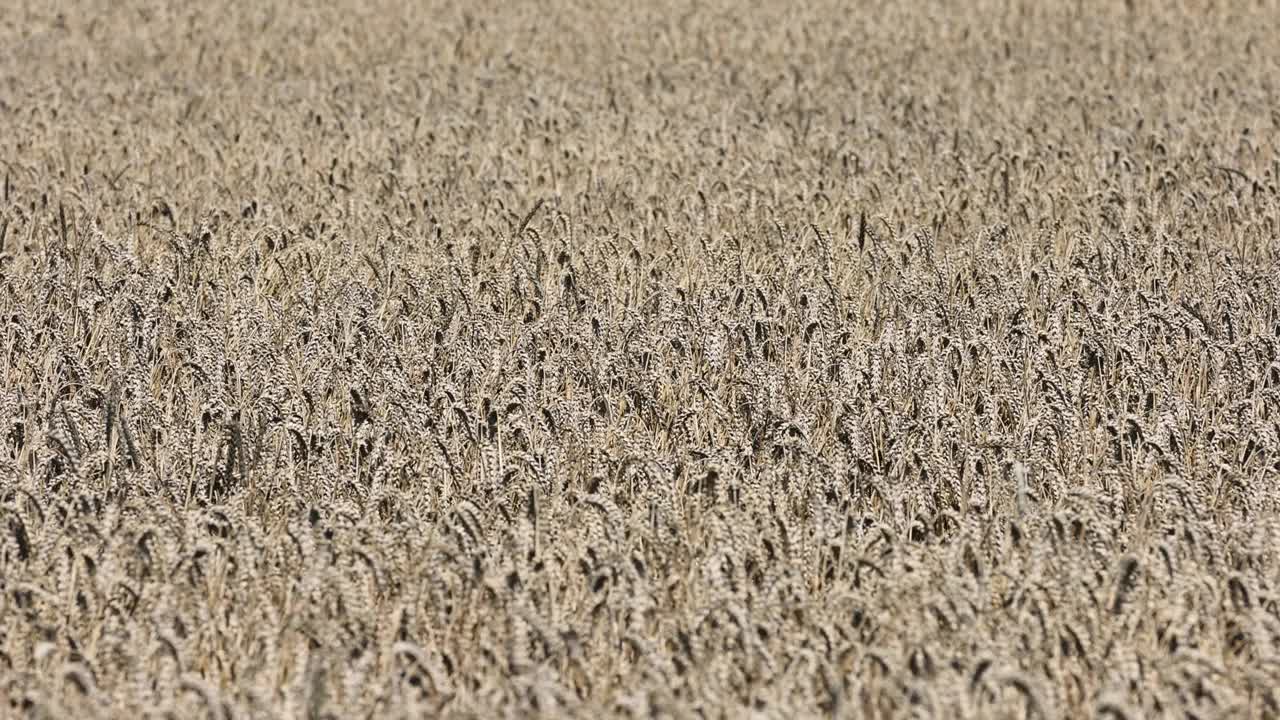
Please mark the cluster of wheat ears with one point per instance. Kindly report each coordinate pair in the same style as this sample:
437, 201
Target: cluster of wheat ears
667, 359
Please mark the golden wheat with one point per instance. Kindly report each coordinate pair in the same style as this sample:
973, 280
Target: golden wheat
643, 360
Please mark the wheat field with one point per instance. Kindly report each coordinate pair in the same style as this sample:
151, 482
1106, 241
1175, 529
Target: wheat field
650, 360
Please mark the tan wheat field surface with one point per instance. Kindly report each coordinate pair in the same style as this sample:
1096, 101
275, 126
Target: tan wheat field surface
653, 360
